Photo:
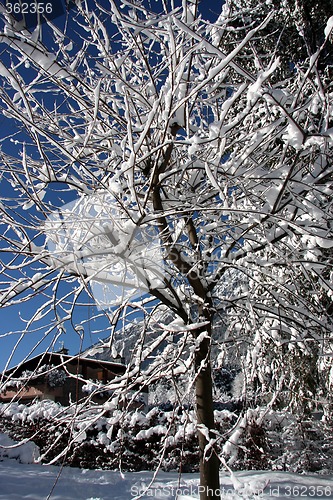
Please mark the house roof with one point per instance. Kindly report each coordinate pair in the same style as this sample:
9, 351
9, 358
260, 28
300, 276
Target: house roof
59, 359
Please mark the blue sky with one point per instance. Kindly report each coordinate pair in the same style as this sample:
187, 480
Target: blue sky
11, 318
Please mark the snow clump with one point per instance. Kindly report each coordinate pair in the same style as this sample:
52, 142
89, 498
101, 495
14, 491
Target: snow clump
25, 453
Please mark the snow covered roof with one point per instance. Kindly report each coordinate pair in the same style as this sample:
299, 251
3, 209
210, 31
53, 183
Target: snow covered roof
60, 359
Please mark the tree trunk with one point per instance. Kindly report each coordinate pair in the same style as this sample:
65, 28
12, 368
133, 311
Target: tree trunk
209, 465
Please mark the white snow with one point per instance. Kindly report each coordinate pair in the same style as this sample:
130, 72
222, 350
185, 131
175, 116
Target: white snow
294, 136
25, 453
24, 481
174, 327
46, 61
329, 27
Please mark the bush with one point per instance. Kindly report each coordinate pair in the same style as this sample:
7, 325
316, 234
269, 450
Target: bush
135, 441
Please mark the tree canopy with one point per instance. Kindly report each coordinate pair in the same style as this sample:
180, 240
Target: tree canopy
190, 158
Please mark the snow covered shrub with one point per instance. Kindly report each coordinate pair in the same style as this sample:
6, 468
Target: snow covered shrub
246, 447
25, 453
41, 423
280, 440
308, 446
166, 438
224, 379
133, 440
56, 378
253, 454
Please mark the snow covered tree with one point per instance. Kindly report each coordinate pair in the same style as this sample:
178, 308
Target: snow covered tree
157, 152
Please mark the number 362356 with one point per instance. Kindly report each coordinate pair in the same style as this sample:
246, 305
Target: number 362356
29, 8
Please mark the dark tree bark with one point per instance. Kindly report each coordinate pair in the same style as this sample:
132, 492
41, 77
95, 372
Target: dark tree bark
209, 462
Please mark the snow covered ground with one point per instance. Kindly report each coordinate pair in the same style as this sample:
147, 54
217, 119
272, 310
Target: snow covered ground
22, 478
36, 482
